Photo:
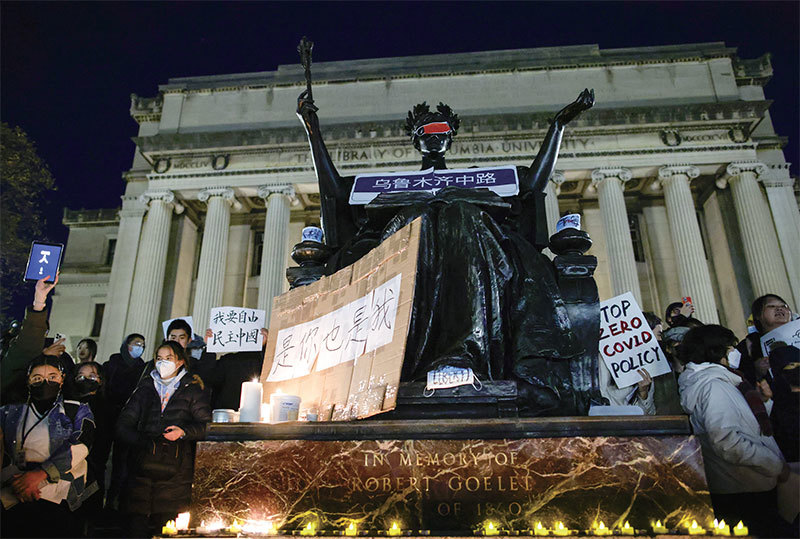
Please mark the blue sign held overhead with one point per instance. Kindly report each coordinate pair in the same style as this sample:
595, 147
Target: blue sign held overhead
501, 180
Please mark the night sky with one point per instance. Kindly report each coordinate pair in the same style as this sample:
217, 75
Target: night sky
68, 69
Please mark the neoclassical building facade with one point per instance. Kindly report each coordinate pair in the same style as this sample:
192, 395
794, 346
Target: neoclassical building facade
677, 173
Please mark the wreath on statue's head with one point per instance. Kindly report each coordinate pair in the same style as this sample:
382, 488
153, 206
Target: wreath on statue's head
421, 114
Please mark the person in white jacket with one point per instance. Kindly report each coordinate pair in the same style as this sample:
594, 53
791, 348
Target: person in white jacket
742, 460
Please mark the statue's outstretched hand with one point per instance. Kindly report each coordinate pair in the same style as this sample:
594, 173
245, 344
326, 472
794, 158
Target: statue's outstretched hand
584, 102
305, 106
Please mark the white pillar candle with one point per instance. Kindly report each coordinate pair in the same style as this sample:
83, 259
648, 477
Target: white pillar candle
250, 402
284, 407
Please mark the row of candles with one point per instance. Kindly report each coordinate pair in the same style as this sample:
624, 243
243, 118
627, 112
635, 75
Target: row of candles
489, 527
281, 407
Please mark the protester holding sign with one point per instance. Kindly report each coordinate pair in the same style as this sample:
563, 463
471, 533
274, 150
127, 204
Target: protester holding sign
742, 460
631, 354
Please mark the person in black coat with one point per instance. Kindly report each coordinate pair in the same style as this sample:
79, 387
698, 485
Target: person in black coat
162, 420
122, 373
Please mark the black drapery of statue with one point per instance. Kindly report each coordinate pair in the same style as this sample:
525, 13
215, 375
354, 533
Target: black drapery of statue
486, 297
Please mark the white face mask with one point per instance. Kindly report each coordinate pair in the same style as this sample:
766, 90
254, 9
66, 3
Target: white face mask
166, 369
734, 358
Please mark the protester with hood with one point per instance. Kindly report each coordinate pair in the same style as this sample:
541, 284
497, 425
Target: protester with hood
161, 422
45, 443
87, 387
122, 373
742, 461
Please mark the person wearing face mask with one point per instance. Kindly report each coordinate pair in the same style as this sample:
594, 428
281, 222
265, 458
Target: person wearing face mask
162, 420
45, 443
87, 387
742, 461
122, 373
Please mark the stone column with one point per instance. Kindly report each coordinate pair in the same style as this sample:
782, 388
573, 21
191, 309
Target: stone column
119, 283
693, 274
273, 258
551, 205
213, 254
151, 260
622, 264
764, 259
786, 216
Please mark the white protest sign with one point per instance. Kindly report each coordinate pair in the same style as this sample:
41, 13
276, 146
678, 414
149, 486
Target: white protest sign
188, 319
627, 343
788, 333
345, 334
235, 329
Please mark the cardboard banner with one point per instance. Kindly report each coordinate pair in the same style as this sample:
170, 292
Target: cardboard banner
339, 343
235, 329
627, 343
789, 333
502, 180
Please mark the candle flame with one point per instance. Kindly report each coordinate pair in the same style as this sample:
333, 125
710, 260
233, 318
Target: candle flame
559, 525
740, 526
658, 523
182, 522
351, 526
626, 525
538, 525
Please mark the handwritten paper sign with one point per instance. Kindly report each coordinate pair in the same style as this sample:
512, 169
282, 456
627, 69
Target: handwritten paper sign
626, 342
235, 329
339, 343
165, 324
789, 333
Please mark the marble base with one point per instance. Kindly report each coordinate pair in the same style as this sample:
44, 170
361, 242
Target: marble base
451, 486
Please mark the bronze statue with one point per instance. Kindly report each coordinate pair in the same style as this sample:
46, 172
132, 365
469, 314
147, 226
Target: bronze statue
486, 297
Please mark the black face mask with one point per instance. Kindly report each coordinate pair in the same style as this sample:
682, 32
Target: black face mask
44, 391
86, 386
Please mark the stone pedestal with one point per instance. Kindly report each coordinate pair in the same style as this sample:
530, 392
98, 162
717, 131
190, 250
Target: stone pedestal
693, 274
610, 187
213, 254
273, 257
764, 259
148, 280
450, 476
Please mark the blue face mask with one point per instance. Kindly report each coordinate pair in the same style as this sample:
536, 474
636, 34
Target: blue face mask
136, 351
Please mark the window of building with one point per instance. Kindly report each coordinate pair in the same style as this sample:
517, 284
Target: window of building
99, 308
258, 250
636, 238
112, 246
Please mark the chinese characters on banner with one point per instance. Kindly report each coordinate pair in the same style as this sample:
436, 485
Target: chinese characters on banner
356, 329
502, 180
626, 342
235, 329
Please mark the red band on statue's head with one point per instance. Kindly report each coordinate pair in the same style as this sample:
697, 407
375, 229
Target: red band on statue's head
434, 128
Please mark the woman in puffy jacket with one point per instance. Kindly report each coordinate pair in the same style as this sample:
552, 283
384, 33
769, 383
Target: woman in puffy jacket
742, 461
163, 419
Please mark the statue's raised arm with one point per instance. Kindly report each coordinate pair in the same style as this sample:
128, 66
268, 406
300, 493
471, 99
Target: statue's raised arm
545, 162
334, 191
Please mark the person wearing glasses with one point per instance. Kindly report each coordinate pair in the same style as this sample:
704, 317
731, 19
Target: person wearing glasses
45, 444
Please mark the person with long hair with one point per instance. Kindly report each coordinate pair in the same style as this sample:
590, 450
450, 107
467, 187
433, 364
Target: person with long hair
742, 460
161, 422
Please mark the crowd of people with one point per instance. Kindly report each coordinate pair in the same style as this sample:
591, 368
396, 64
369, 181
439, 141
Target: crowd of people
98, 446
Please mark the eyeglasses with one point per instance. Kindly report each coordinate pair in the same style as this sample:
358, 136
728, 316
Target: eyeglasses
38, 378
89, 377
784, 306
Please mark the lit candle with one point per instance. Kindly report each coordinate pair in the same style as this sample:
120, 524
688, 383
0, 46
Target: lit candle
283, 407
600, 529
694, 529
490, 529
352, 530
740, 529
182, 522
395, 529
626, 529
169, 528
214, 526
250, 402
559, 529
236, 527
659, 528
259, 527
720, 528
538, 529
